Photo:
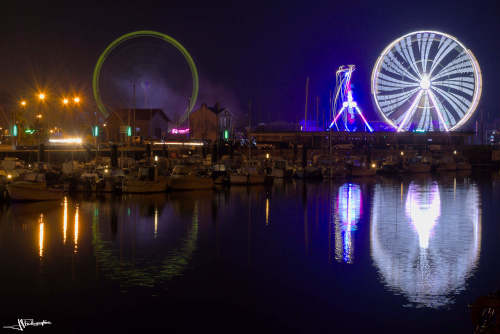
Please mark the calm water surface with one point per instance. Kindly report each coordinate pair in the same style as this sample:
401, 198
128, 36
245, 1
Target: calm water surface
385, 254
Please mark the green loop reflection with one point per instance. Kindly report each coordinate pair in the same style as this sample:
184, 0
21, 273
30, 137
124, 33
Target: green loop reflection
137, 34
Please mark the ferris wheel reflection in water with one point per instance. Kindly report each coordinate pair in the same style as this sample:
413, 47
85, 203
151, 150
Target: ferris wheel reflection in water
425, 239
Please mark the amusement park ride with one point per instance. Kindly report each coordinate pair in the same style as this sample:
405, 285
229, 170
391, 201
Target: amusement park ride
349, 110
422, 81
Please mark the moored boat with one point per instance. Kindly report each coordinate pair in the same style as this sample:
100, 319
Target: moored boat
34, 187
187, 178
147, 180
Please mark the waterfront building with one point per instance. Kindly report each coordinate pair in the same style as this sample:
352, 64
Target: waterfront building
211, 123
145, 123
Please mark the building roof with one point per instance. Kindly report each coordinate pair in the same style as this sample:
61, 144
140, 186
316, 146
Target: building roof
217, 109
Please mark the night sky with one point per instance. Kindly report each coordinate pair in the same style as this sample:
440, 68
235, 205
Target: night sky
243, 50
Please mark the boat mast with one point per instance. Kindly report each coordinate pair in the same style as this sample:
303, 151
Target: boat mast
249, 128
307, 97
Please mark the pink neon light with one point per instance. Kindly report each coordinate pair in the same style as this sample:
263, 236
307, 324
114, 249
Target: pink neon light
180, 131
338, 115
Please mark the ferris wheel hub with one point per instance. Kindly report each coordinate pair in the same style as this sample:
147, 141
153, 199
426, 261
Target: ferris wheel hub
425, 82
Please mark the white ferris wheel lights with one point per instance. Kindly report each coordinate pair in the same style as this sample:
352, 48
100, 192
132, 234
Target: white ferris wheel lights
410, 111
438, 111
436, 64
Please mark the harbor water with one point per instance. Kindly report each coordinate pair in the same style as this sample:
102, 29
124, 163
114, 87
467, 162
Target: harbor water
392, 254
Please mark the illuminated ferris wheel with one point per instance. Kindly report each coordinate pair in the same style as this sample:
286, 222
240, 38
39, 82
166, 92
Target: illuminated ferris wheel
426, 81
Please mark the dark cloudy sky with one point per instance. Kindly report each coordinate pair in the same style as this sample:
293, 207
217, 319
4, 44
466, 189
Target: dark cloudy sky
244, 50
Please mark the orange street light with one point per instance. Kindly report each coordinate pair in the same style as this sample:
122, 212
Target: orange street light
23, 103
39, 116
41, 96
65, 101
76, 99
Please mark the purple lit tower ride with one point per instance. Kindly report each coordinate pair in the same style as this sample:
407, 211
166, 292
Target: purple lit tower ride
349, 118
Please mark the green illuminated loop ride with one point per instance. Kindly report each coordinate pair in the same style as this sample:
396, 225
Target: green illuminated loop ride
137, 34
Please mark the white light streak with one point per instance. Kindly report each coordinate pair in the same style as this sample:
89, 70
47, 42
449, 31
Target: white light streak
178, 143
66, 141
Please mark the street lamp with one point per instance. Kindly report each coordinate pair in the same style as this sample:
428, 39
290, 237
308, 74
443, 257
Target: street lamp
65, 101
15, 129
76, 99
41, 96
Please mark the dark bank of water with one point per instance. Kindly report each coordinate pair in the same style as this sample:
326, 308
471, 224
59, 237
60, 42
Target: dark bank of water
383, 254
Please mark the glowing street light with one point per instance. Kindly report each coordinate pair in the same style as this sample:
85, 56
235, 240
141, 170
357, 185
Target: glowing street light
41, 96
39, 116
23, 103
65, 101
76, 99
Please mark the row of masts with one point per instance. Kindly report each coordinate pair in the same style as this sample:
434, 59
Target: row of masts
330, 111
